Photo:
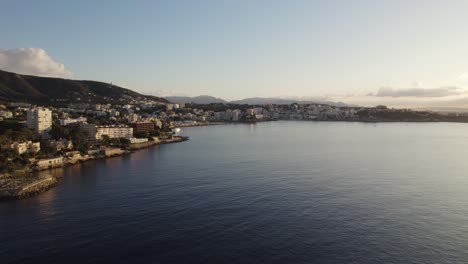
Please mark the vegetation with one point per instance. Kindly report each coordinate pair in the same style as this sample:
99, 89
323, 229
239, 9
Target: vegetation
47, 150
115, 142
14, 131
80, 141
141, 134
11, 162
34, 89
59, 132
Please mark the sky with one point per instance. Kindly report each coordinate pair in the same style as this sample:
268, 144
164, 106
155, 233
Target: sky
399, 53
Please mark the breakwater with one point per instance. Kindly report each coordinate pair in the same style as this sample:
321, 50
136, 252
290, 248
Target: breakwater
22, 186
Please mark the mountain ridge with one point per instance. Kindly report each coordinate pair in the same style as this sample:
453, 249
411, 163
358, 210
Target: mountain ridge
36, 89
205, 99
201, 99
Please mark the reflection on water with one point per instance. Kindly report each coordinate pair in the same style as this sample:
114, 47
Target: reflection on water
56, 172
46, 208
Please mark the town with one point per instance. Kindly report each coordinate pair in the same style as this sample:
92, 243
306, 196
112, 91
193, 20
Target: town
41, 137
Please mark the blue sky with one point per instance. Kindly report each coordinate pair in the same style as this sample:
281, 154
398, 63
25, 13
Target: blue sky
245, 48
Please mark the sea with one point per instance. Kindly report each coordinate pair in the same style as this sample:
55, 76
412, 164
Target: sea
270, 192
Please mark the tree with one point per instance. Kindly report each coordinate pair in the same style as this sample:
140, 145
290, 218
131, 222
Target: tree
141, 134
9, 125
80, 141
155, 133
46, 148
105, 140
22, 134
124, 142
58, 132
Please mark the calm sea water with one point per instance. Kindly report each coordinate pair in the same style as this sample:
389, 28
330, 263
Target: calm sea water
277, 192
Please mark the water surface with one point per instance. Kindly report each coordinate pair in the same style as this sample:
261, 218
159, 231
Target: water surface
276, 192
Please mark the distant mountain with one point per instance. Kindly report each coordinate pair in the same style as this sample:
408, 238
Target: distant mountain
34, 89
205, 99
279, 101
202, 99
263, 101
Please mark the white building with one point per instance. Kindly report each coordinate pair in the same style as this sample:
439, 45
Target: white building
169, 107
40, 119
133, 118
236, 115
26, 147
49, 163
138, 140
68, 121
258, 110
61, 144
6, 114
114, 132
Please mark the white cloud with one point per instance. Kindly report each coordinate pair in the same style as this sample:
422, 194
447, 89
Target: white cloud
418, 92
463, 77
32, 61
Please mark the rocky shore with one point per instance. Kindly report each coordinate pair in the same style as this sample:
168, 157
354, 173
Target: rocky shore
26, 184
22, 186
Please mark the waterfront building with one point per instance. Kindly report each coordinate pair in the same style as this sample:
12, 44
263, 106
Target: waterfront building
223, 116
40, 119
114, 132
89, 130
142, 126
236, 115
49, 163
258, 110
138, 140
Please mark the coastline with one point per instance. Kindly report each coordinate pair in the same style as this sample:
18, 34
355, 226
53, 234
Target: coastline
198, 124
20, 186
27, 184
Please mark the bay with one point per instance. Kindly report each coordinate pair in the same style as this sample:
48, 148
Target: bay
273, 192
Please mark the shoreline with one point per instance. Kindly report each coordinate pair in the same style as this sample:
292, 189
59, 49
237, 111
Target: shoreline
15, 187
199, 124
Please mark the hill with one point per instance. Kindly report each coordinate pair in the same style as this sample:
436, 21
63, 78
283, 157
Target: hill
286, 101
205, 99
37, 90
201, 99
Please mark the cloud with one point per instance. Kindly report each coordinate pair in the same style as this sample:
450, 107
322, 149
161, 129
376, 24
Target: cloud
418, 92
463, 77
32, 61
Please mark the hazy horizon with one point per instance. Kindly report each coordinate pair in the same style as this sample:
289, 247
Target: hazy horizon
397, 53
